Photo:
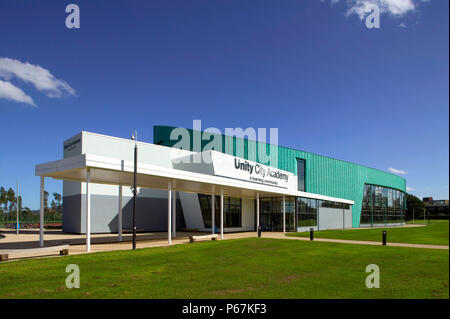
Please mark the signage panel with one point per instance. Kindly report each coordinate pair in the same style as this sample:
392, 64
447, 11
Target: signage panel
241, 169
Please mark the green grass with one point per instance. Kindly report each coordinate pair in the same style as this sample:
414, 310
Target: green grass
436, 233
241, 268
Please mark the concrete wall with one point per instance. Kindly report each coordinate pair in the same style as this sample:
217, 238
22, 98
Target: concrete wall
151, 210
348, 218
334, 218
71, 207
331, 218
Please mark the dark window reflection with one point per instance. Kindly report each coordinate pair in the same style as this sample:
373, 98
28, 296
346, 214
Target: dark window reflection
382, 205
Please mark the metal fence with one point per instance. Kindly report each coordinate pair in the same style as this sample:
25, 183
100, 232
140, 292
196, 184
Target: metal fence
424, 217
9, 219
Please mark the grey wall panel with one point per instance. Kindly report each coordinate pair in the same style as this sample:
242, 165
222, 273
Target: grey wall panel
331, 218
71, 188
104, 211
72, 146
348, 218
151, 214
192, 211
72, 214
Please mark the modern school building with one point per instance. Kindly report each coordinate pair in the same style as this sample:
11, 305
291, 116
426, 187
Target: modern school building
228, 190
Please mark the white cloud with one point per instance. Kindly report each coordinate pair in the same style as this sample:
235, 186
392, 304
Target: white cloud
396, 8
36, 75
397, 171
13, 93
410, 189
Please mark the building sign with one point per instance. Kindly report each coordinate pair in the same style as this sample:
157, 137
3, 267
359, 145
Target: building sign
72, 146
238, 168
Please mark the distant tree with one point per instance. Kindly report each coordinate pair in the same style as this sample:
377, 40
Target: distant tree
45, 201
54, 206
414, 203
57, 198
27, 214
3, 198
19, 202
11, 197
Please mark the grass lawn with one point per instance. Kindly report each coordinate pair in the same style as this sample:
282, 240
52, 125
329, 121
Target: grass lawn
436, 233
240, 268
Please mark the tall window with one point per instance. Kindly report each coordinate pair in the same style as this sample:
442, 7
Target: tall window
205, 205
232, 211
382, 205
271, 213
301, 174
306, 212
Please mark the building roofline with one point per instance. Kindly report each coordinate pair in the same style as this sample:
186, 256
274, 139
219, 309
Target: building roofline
290, 148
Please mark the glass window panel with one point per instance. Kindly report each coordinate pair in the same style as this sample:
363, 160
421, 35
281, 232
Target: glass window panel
382, 205
301, 174
231, 211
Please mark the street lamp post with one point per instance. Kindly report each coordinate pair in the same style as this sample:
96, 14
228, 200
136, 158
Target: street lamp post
134, 137
17, 210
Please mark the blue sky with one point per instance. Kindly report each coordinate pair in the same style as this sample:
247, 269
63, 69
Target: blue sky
377, 97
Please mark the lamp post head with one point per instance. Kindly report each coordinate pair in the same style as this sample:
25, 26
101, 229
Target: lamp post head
134, 136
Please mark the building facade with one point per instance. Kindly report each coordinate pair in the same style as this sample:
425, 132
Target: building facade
323, 193
437, 209
379, 196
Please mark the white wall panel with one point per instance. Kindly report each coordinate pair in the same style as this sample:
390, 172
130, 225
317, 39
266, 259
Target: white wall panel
330, 218
348, 218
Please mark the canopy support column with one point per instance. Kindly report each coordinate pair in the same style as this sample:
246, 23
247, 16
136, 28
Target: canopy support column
169, 213
174, 215
284, 214
257, 211
119, 226
88, 211
41, 215
213, 213
221, 213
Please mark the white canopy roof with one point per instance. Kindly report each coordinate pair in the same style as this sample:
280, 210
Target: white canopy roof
108, 170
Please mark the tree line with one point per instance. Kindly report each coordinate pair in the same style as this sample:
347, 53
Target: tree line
414, 207
9, 203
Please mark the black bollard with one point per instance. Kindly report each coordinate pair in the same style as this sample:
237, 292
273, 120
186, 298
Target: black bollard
311, 233
384, 238
259, 231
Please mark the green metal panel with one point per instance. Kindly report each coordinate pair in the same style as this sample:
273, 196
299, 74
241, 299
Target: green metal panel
323, 175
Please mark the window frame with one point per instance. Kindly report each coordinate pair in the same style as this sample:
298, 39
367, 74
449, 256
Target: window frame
302, 160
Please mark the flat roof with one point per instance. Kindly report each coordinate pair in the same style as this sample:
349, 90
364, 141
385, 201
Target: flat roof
115, 171
288, 148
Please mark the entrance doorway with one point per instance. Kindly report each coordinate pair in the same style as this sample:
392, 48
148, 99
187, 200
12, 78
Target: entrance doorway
271, 214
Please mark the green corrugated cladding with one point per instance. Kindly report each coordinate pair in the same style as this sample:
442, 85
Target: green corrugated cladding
323, 175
